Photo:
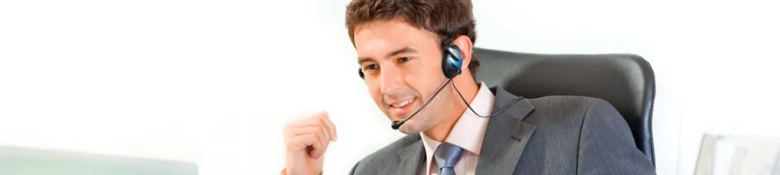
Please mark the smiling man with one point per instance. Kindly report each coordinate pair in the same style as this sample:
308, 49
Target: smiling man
416, 59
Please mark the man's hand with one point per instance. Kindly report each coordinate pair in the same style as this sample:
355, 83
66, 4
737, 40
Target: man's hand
306, 141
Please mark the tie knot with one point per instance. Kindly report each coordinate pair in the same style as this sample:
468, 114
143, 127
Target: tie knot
447, 155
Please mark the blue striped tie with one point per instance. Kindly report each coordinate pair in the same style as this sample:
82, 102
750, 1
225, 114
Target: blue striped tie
446, 156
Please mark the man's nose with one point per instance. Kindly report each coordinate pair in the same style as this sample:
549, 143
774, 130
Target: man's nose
390, 79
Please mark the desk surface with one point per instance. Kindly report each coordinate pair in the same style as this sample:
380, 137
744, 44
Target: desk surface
27, 161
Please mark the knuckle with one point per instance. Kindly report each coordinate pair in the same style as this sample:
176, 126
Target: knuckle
316, 136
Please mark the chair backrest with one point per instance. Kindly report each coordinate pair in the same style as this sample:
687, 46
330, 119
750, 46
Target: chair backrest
626, 81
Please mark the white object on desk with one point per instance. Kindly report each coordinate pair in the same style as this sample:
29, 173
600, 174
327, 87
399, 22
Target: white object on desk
738, 155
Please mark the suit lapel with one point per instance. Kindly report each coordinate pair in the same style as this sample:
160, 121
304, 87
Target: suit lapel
506, 135
410, 159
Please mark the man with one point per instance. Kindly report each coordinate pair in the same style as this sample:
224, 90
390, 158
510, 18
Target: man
403, 48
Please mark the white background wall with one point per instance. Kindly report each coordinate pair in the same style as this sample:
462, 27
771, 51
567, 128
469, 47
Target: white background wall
214, 81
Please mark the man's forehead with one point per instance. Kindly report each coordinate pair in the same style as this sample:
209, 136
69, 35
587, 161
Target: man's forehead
383, 37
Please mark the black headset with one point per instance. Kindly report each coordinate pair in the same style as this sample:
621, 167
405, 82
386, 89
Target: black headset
451, 62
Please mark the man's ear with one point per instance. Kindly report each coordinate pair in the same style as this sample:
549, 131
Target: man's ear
465, 45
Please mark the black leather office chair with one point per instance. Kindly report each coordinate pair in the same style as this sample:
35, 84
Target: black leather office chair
624, 80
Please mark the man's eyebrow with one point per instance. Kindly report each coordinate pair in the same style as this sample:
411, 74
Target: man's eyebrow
391, 54
364, 59
400, 51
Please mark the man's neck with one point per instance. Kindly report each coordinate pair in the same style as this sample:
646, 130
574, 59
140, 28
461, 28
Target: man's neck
442, 130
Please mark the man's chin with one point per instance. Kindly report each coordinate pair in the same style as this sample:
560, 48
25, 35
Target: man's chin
410, 128
407, 130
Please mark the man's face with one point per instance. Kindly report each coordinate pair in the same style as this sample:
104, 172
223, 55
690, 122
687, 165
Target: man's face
402, 67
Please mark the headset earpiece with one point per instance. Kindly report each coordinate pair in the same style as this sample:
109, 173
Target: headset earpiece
452, 61
360, 72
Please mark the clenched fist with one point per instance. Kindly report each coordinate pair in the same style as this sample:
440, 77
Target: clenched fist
306, 141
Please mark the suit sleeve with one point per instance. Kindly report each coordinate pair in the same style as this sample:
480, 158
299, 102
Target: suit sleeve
606, 145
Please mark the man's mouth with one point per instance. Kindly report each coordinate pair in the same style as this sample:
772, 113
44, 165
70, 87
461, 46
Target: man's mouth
402, 107
401, 104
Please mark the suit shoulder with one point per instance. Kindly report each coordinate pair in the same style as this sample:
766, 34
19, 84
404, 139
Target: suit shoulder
382, 156
568, 110
567, 102
565, 98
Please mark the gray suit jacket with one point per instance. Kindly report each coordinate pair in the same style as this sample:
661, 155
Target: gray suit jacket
549, 135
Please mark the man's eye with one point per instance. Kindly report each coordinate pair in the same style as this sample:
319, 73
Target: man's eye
404, 59
371, 67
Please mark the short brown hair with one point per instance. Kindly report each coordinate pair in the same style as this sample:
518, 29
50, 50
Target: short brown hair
448, 19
